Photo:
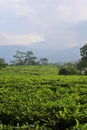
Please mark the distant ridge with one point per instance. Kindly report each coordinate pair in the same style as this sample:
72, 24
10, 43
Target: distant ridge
70, 54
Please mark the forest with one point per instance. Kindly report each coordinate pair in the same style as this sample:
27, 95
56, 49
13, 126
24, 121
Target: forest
38, 95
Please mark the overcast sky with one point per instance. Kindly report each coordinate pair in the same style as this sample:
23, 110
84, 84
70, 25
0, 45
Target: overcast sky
52, 24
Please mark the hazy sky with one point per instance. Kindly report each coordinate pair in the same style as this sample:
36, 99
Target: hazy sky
43, 23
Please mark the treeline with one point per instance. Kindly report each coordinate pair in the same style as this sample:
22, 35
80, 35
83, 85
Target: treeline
80, 67
24, 58
28, 58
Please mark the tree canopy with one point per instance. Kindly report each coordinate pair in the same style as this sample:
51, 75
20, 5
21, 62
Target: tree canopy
28, 58
2, 63
83, 53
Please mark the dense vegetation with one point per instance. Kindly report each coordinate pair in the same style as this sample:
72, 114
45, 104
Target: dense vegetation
80, 67
36, 95
36, 98
28, 58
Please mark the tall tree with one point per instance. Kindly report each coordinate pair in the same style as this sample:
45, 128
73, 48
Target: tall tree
24, 58
83, 52
2, 63
19, 58
30, 59
43, 61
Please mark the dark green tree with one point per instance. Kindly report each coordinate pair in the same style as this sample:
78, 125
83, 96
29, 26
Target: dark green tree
83, 53
43, 61
2, 63
19, 58
69, 69
30, 59
24, 58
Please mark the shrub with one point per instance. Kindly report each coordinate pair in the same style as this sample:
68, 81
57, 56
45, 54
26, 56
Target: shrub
68, 71
2, 63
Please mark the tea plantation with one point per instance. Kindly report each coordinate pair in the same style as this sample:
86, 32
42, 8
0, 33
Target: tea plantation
37, 98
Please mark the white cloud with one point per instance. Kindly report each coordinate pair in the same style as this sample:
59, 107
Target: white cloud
43, 16
19, 7
67, 10
23, 10
63, 12
1, 2
14, 39
73, 12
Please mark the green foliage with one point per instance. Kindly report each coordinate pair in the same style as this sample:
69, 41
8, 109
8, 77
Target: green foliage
24, 58
83, 62
43, 101
83, 51
19, 56
28, 58
68, 69
2, 63
43, 61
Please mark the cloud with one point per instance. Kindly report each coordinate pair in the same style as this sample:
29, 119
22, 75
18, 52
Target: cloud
14, 39
52, 18
63, 12
67, 10
72, 11
2, 2
19, 7
22, 8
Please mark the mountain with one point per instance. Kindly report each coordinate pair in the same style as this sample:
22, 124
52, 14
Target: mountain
70, 54
67, 55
